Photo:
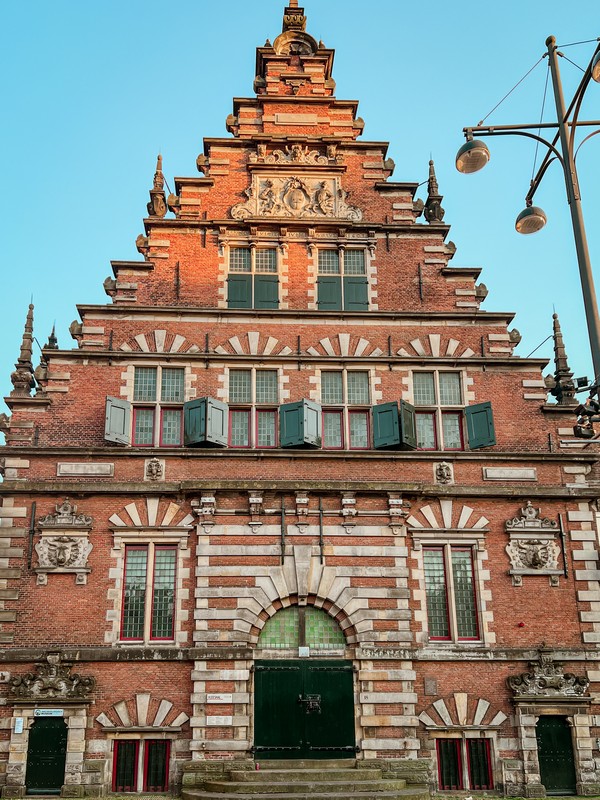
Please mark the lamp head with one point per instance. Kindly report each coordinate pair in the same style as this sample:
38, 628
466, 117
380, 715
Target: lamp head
531, 220
472, 156
595, 70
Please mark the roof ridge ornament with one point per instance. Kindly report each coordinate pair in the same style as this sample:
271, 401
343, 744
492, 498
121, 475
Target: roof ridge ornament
433, 211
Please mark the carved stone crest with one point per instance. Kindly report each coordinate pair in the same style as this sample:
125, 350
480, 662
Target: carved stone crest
294, 196
52, 680
64, 545
532, 549
546, 678
155, 469
444, 473
533, 554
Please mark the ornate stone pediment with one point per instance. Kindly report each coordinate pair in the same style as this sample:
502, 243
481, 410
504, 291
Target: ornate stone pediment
66, 516
530, 518
52, 680
547, 679
293, 196
296, 154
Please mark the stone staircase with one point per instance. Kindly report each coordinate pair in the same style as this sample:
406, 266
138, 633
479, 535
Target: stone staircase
302, 780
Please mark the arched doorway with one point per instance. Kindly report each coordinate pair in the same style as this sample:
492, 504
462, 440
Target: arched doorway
555, 755
303, 706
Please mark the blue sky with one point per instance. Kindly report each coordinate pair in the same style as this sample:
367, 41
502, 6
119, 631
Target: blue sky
93, 91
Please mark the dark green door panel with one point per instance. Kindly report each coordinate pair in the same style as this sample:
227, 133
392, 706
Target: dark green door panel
303, 709
330, 731
555, 754
277, 714
46, 756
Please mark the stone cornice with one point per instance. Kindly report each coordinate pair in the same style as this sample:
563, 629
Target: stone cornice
79, 655
111, 487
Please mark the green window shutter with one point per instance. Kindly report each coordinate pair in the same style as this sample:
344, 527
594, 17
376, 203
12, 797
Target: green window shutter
266, 291
408, 426
194, 422
386, 426
117, 421
205, 421
239, 291
356, 294
329, 293
480, 425
217, 422
300, 424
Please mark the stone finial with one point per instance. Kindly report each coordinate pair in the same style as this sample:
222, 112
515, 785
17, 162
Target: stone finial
52, 343
562, 386
293, 17
434, 213
157, 207
22, 378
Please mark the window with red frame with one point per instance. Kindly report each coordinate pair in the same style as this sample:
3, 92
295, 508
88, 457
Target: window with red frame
251, 422
345, 424
141, 765
438, 399
148, 612
451, 757
158, 395
450, 593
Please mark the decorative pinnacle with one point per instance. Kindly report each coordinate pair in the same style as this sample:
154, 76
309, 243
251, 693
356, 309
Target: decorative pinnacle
22, 378
564, 388
52, 343
159, 178
432, 184
157, 207
293, 3
433, 211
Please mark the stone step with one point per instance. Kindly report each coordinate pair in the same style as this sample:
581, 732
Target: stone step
307, 763
319, 773
315, 783
401, 794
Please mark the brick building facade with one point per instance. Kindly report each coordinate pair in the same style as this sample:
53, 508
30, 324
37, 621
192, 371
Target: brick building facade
293, 495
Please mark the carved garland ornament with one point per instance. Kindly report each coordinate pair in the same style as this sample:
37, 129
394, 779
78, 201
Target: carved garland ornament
51, 681
293, 196
546, 678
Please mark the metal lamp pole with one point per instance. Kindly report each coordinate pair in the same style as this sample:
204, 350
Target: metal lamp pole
474, 155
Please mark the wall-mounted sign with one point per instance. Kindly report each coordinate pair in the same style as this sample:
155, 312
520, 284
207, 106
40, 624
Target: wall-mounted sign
219, 698
18, 724
48, 712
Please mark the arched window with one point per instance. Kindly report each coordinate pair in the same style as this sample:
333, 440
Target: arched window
301, 626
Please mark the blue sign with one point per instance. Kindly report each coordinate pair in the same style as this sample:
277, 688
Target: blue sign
48, 712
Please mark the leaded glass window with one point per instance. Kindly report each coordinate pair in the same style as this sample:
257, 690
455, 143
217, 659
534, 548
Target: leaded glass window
434, 394
148, 610
253, 425
159, 420
450, 593
301, 626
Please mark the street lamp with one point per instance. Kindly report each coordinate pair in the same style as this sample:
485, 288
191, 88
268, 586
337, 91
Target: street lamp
474, 155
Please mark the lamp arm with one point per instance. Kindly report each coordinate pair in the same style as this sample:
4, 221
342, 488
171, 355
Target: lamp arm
549, 145
535, 183
583, 141
575, 105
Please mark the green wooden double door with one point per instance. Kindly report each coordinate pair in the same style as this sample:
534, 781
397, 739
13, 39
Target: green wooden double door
304, 710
